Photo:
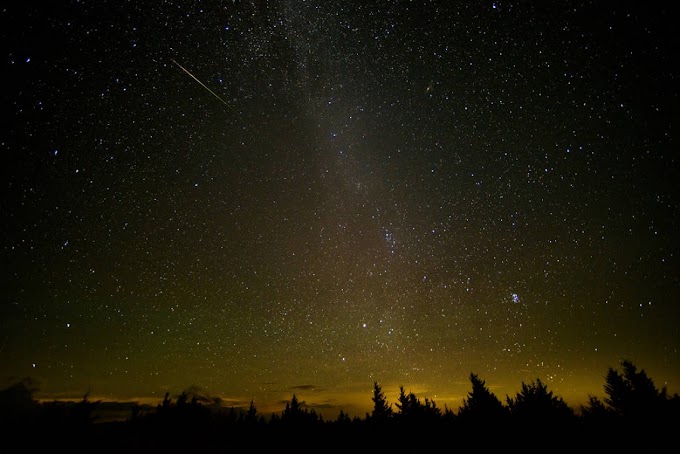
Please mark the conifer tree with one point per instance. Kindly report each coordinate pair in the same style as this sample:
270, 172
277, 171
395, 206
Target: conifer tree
481, 404
382, 411
534, 403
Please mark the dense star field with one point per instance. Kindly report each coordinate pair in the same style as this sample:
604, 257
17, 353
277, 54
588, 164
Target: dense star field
255, 199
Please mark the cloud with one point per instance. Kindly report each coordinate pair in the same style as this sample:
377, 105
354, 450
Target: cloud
304, 388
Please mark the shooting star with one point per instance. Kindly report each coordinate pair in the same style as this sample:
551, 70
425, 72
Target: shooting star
202, 84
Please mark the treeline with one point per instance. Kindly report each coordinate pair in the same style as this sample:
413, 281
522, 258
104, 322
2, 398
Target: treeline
633, 411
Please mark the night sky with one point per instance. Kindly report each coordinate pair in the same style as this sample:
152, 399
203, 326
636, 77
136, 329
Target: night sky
256, 199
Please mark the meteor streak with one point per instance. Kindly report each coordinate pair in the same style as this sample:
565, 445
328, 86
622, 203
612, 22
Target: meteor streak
202, 84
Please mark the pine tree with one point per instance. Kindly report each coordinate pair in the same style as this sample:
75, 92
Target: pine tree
481, 405
251, 415
382, 411
535, 404
633, 394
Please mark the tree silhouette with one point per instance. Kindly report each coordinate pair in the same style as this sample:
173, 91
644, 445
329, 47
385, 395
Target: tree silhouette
17, 404
295, 414
632, 394
82, 414
536, 405
448, 415
165, 405
251, 415
633, 406
430, 410
412, 410
481, 405
407, 404
382, 411
596, 413
634, 410
343, 418
633, 398
184, 415
292, 410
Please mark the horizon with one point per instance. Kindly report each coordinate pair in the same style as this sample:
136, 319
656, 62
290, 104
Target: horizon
322, 401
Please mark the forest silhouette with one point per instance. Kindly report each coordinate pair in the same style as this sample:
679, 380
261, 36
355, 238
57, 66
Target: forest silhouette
634, 414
